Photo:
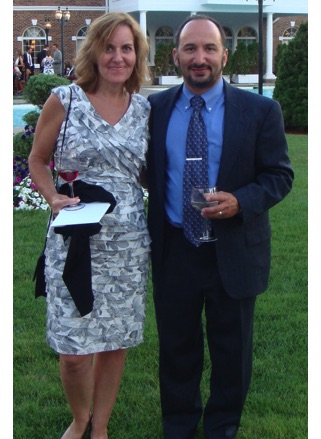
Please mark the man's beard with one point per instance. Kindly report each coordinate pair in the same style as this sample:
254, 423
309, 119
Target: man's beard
205, 83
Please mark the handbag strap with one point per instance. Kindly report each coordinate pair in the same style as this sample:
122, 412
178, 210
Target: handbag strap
62, 145
64, 133
66, 120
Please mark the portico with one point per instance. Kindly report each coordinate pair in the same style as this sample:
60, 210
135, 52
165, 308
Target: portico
237, 17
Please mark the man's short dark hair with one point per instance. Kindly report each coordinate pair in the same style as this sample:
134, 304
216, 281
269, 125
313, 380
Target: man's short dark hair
199, 17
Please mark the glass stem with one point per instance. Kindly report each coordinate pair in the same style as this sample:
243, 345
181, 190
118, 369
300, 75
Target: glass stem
71, 187
207, 227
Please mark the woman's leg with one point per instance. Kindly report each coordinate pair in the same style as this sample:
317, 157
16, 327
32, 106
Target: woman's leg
108, 371
77, 378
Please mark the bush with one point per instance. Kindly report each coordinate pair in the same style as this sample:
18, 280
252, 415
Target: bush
291, 85
240, 60
164, 62
31, 118
253, 57
22, 142
227, 70
278, 57
38, 88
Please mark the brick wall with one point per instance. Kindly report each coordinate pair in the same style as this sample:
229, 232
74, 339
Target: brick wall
283, 23
22, 21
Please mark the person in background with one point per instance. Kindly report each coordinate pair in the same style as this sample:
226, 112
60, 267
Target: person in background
67, 68
19, 61
28, 63
18, 73
47, 64
108, 125
17, 80
246, 158
57, 56
72, 72
41, 55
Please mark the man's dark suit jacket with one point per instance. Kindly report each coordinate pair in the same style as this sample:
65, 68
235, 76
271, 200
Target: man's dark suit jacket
41, 56
26, 63
255, 167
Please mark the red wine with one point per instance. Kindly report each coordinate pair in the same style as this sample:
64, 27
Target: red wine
68, 175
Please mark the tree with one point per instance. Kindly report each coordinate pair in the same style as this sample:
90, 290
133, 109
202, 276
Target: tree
253, 57
228, 67
240, 60
291, 85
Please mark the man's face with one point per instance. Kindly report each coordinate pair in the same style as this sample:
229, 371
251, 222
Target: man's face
200, 56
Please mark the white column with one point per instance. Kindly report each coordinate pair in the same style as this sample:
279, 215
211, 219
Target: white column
269, 48
143, 21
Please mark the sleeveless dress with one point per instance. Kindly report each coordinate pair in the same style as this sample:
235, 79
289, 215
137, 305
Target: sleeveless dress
112, 157
48, 66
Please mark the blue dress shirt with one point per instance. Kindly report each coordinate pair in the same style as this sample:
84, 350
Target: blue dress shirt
213, 115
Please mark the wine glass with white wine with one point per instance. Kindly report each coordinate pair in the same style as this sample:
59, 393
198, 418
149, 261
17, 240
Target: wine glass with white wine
198, 200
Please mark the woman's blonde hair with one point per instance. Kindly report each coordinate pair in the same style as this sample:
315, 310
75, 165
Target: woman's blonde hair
95, 44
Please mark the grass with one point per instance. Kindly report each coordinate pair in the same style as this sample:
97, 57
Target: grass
276, 407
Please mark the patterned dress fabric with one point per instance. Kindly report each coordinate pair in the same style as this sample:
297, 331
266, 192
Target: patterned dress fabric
195, 170
112, 157
48, 66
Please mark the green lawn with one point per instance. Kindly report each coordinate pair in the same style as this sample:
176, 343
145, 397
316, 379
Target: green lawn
276, 407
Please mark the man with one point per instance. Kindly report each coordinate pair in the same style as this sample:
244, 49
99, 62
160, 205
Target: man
28, 62
71, 74
248, 161
41, 55
57, 56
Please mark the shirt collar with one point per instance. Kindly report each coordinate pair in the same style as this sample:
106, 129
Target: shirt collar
210, 96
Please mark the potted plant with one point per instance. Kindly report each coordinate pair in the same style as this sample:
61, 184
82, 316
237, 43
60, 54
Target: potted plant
165, 69
245, 63
227, 70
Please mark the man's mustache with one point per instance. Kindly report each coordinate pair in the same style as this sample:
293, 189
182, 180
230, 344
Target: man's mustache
199, 66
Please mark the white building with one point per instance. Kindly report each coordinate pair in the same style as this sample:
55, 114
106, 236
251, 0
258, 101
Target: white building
160, 18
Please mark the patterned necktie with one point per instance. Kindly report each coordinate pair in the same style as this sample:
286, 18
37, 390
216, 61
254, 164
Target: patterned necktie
195, 170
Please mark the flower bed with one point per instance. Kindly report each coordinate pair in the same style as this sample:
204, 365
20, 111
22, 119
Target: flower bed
25, 194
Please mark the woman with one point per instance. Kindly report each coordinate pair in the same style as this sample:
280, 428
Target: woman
47, 64
19, 60
18, 63
112, 119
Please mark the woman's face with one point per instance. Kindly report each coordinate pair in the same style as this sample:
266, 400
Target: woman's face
117, 62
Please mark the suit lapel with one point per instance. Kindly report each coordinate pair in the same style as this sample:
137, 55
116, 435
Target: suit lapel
233, 138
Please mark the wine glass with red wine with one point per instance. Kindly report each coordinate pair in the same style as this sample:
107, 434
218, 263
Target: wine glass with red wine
67, 165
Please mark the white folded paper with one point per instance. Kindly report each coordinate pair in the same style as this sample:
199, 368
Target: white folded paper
91, 213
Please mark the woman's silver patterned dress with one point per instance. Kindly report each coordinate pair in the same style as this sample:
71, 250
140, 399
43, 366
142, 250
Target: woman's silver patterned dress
112, 157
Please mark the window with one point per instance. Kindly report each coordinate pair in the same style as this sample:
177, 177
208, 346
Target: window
81, 36
288, 34
164, 34
34, 37
229, 38
247, 35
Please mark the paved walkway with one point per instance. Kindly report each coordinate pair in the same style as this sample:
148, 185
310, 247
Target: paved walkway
145, 91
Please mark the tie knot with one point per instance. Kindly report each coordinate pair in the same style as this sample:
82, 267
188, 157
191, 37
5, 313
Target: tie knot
197, 102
